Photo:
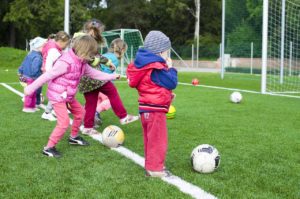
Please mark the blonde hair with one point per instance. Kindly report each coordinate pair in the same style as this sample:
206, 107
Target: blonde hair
85, 47
60, 36
94, 27
118, 46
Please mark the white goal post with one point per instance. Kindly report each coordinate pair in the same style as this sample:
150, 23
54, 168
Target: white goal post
280, 47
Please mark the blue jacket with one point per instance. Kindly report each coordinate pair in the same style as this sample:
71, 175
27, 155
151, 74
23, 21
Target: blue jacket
114, 60
166, 78
32, 64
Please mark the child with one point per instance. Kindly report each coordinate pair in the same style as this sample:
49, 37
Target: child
51, 52
116, 51
91, 88
30, 70
63, 80
154, 78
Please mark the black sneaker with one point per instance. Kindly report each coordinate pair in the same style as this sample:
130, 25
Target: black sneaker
51, 152
97, 120
78, 141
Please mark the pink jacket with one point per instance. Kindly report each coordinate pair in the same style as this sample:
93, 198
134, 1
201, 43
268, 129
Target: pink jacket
50, 44
65, 76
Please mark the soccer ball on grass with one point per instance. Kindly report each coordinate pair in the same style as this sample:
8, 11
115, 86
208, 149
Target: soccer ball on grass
113, 136
205, 158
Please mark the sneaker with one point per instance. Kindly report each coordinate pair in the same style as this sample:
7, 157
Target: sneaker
158, 174
78, 141
53, 113
51, 152
29, 110
48, 116
89, 131
128, 119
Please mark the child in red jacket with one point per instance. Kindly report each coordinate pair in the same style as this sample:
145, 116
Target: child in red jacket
154, 78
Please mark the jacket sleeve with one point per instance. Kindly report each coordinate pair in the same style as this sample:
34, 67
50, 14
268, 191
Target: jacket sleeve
96, 74
59, 68
52, 56
166, 78
36, 67
20, 70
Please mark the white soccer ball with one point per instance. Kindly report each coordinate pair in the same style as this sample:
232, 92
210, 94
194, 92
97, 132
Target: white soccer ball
205, 158
236, 97
113, 136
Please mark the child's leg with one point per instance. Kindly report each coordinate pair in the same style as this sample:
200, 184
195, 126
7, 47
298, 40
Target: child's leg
29, 100
78, 114
144, 120
155, 139
63, 122
90, 108
103, 103
111, 92
49, 108
38, 96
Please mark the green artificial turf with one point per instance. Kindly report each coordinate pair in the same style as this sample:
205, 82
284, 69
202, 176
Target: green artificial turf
258, 140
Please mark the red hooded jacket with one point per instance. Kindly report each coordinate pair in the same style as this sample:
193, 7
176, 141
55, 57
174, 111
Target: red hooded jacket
152, 97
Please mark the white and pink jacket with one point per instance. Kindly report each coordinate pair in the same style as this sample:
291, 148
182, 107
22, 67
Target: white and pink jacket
65, 76
48, 62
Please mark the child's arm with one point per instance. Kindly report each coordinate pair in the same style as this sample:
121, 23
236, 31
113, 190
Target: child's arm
58, 69
166, 78
36, 67
96, 74
52, 56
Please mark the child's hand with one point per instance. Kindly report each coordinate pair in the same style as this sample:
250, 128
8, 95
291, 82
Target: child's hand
26, 91
118, 76
173, 96
112, 67
169, 62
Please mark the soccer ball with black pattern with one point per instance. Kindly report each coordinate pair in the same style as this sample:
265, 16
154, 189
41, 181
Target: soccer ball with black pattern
113, 136
205, 158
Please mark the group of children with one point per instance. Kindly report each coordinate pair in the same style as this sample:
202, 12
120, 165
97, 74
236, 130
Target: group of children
82, 68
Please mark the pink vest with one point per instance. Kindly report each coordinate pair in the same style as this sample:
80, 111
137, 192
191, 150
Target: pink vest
68, 82
50, 44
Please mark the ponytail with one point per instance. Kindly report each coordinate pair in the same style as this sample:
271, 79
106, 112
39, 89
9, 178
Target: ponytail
95, 28
118, 46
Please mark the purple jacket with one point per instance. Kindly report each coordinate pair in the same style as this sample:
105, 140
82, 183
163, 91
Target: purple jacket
65, 76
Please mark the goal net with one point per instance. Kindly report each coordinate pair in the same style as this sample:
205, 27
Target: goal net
283, 64
132, 37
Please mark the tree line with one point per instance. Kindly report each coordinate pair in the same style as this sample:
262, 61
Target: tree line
22, 20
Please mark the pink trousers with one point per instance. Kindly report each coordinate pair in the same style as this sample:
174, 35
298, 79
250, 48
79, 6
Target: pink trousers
155, 140
63, 120
30, 100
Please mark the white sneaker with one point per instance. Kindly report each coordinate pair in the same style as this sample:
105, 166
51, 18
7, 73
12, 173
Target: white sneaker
158, 174
48, 116
29, 110
89, 131
128, 119
53, 113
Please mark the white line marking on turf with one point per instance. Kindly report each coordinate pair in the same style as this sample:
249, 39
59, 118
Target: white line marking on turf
234, 89
182, 185
241, 90
222, 88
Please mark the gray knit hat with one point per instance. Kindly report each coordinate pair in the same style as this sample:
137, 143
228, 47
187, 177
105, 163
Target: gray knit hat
157, 42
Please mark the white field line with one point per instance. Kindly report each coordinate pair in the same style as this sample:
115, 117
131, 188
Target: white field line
215, 87
182, 185
222, 88
241, 90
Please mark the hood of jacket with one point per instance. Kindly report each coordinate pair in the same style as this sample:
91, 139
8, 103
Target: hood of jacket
145, 60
